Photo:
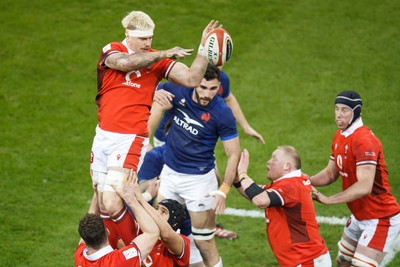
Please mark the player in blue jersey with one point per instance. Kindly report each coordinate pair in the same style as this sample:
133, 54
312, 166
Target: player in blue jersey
200, 117
230, 99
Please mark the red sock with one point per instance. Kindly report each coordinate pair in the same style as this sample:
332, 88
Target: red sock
112, 228
126, 225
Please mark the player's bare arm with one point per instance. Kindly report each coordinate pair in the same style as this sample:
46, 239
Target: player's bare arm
151, 232
232, 102
157, 112
232, 151
325, 177
169, 237
243, 182
131, 62
363, 186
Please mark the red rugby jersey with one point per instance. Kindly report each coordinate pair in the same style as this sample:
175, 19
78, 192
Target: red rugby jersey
160, 256
355, 147
128, 256
124, 99
292, 228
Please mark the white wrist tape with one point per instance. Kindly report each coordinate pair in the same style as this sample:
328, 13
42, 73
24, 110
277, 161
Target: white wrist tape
146, 195
202, 51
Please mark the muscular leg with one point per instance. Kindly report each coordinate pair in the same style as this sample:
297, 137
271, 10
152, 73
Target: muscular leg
204, 224
114, 206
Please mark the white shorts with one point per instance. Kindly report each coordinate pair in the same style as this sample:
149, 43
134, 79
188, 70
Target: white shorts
111, 149
191, 189
377, 234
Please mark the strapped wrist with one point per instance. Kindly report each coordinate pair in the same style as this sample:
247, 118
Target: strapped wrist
224, 188
202, 51
239, 184
242, 175
147, 196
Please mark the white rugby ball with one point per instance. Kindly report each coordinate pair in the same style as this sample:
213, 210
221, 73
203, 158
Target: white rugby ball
218, 47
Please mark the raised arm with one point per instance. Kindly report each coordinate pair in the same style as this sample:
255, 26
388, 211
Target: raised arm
246, 186
145, 241
172, 240
191, 77
232, 102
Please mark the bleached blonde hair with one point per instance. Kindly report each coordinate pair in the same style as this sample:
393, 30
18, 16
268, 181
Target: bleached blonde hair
138, 20
292, 153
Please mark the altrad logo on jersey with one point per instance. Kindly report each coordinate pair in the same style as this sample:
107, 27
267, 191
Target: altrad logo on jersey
187, 123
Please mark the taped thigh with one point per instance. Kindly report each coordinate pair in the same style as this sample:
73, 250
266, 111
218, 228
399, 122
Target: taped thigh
98, 179
346, 250
203, 234
360, 260
113, 178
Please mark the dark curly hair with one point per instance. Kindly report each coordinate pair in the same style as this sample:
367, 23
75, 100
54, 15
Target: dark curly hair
92, 230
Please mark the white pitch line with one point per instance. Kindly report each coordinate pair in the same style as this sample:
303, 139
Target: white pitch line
394, 249
260, 214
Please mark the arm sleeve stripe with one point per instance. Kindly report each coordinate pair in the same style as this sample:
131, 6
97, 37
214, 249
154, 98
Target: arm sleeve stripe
366, 162
277, 196
169, 69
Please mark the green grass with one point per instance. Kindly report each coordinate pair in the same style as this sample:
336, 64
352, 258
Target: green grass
290, 59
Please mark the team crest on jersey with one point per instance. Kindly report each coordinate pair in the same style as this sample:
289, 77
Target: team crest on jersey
130, 253
205, 117
182, 102
132, 75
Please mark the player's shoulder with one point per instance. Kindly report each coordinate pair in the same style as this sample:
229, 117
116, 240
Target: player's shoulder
224, 76
170, 86
114, 46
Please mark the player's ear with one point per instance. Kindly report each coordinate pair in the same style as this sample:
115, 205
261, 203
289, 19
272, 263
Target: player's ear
287, 166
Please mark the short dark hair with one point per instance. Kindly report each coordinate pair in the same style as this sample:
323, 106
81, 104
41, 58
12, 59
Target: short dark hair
92, 230
212, 72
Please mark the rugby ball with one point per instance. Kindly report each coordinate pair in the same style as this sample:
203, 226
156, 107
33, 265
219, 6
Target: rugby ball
218, 47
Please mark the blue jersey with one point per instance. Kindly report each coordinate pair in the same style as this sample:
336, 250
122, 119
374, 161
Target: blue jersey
153, 163
224, 91
195, 130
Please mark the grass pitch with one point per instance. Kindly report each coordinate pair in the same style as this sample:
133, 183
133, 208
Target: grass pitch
290, 59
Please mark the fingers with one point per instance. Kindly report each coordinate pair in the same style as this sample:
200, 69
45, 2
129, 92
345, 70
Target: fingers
260, 139
163, 97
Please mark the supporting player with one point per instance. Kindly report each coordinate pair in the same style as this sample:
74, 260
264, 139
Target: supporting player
357, 156
292, 226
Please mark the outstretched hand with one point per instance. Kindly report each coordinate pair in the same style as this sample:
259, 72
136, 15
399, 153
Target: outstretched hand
163, 98
253, 133
243, 162
318, 196
211, 26
178, 52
